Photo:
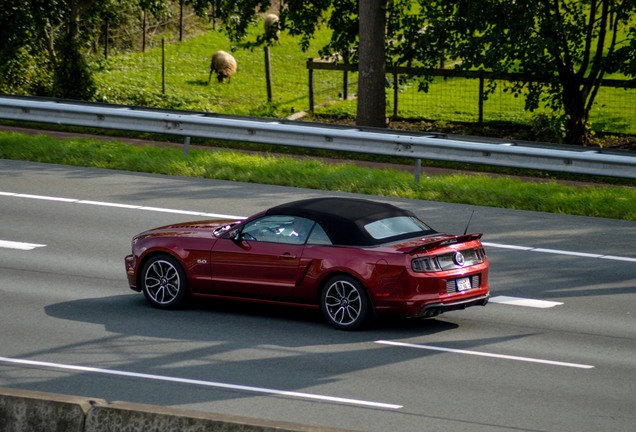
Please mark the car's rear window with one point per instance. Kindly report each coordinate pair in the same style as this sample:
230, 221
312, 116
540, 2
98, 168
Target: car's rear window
397, 226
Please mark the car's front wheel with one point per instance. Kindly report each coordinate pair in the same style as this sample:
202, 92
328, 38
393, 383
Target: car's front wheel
163, 282
344, 303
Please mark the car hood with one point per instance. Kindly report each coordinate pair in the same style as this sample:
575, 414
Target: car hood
434, 242
205, 228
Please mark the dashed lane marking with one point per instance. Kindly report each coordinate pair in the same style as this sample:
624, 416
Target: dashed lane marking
559, 252
518, 301
19, 245
486, 354
117, 205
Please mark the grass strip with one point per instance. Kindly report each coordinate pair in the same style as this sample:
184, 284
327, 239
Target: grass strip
616, 202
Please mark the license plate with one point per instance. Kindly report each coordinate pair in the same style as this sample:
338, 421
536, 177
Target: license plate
463, 284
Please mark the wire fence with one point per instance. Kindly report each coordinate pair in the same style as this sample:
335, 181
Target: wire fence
464, 98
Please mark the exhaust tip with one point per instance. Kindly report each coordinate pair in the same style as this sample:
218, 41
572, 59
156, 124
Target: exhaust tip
432, 313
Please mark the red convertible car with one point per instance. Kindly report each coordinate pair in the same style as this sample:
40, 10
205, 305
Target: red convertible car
352, 258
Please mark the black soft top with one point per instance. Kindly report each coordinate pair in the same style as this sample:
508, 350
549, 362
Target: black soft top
343, 219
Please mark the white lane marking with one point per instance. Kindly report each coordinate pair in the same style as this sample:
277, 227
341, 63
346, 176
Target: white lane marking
485, 354
292, 394
105, 204
559, 252
223, 216
518, 301
125, 206
39, 197
19, 245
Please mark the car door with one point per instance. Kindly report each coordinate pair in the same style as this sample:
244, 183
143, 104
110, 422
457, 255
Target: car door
263, 261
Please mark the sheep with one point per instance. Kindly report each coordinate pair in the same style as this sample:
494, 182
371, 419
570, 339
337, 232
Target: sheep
223, 64
272, 27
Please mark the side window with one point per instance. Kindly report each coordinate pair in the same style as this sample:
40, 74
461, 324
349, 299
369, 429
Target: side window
297, 231
318, 236
278, 229
265, 229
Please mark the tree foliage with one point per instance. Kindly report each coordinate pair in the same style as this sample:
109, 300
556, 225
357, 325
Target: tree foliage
44, 43
41, 50
564, 48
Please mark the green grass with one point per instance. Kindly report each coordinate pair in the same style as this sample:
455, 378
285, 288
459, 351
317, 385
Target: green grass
600, 201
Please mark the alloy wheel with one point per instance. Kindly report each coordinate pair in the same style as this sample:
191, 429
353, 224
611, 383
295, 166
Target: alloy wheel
344, 304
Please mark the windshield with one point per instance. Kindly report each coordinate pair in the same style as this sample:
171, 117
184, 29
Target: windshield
396, 226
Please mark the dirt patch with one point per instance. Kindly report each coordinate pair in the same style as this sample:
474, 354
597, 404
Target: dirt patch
494, 130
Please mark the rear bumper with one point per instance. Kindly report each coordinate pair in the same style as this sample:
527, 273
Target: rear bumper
433, 309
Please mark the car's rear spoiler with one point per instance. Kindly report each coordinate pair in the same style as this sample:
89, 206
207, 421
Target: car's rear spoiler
444, 241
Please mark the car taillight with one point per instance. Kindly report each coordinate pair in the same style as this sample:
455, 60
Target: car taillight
425, 264
480, 253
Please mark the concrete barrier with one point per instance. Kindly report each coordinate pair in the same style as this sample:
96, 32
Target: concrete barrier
30, 411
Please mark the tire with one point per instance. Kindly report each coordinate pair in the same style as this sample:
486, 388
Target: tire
163, 282
344, 303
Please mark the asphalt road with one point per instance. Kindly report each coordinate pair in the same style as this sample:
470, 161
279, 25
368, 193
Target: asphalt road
554, 351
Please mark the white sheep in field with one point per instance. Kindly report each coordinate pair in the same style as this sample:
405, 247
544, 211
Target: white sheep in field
223, 64
271, 26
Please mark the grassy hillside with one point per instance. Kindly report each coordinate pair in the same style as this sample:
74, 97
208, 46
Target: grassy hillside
136, 78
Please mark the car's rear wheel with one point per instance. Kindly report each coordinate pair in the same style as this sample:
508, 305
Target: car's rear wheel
163, 282
344, 303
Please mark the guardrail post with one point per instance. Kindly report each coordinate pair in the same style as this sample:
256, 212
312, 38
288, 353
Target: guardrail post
186, 145
418, 170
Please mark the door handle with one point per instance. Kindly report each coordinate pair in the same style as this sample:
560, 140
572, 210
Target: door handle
287, 256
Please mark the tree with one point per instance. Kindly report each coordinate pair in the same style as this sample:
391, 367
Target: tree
21, 52
72, 76
41, 51
563, 47
371, 68
44, 43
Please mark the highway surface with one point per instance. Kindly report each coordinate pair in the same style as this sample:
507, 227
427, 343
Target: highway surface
554, 351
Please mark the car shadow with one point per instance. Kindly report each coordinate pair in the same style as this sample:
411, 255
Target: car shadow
201, 319
212, 341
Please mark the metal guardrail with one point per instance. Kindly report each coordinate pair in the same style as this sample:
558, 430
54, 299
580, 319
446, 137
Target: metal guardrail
571, 159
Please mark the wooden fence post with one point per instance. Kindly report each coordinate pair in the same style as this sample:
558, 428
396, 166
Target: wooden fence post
143, 31
268, 74
395, 95
181, 20
481, 99
310, 68
163, 67
106, 31
345, 83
